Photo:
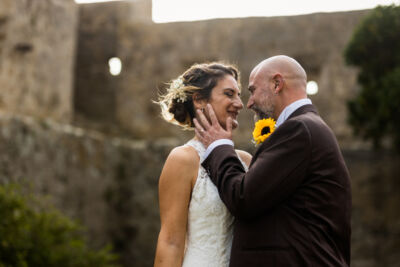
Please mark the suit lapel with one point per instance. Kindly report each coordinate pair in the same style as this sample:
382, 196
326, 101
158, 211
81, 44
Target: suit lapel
301, 110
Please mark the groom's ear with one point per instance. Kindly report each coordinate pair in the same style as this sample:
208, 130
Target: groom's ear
278, 83
199, 102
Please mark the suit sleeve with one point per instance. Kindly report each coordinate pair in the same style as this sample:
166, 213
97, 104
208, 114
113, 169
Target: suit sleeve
277, 170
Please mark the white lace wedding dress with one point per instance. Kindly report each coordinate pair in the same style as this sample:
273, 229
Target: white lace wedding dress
210, 225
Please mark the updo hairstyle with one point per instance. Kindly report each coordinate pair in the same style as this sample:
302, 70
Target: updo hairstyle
177, 103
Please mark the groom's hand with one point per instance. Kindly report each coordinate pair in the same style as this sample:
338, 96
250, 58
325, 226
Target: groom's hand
208, 132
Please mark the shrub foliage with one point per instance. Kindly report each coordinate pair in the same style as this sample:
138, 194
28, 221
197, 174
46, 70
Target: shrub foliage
34, 235
375, 49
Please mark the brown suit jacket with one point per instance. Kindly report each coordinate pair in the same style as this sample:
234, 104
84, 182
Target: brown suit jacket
293, 206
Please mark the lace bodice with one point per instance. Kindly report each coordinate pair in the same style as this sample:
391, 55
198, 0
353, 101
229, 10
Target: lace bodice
210, 225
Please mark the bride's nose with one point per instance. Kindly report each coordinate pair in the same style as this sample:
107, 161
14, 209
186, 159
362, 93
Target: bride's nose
238, 103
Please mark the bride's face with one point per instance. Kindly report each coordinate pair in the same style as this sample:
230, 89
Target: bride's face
225, 100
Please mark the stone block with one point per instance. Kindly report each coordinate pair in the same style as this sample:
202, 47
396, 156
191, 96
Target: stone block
37, 52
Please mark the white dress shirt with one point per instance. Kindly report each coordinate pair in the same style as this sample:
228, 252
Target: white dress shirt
285, 114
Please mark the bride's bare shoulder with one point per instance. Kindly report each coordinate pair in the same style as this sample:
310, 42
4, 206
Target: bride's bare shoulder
184, 154
183, 159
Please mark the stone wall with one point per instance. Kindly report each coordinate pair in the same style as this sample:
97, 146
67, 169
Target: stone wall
110, 185
152, 54
37, 48
375, 216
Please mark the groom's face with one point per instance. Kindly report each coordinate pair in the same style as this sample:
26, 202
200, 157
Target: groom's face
261, 99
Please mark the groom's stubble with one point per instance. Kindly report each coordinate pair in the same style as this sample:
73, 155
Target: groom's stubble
265, 108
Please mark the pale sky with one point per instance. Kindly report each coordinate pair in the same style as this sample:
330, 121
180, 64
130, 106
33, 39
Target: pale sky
189, 10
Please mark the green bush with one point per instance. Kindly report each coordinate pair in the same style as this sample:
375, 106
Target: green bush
32, 235
375, 49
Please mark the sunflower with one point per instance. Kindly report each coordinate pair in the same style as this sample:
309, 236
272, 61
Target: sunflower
263, 129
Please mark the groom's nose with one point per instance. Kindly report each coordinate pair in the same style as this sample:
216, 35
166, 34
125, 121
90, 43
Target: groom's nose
250, 102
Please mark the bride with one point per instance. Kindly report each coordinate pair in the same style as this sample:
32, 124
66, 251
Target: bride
196, 227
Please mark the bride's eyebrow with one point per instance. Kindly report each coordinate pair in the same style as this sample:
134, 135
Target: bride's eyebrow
233, 90
229, 89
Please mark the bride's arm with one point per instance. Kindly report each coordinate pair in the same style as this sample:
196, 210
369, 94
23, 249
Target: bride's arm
175, 188
244, 156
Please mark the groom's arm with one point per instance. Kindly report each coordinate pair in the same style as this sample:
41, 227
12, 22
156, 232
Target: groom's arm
215, 144
277, 170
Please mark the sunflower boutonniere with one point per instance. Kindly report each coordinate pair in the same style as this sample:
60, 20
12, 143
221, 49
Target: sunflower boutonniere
263, 129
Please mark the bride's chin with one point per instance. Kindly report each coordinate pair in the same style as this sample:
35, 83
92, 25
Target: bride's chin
235, 124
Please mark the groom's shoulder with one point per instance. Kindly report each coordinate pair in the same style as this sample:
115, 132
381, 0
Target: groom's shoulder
311, 120
313, 125
293, 125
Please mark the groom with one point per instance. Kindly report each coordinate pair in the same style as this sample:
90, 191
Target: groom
293, 206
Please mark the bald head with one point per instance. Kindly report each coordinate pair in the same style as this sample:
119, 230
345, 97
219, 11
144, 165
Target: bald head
274, 84
291, 71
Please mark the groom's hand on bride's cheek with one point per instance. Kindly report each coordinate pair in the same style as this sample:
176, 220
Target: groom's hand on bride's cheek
208, 131
216, 129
